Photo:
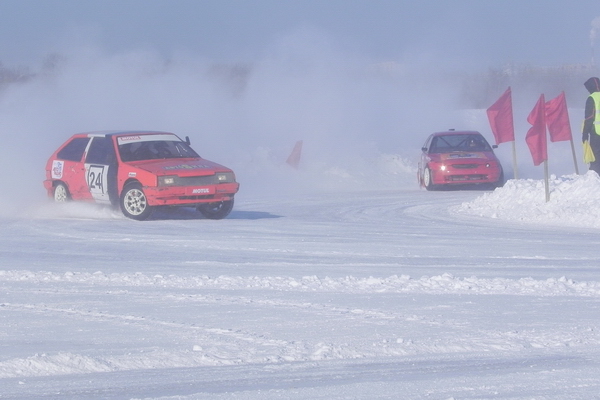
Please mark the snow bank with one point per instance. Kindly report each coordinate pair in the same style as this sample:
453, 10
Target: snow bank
574, 201
440, 284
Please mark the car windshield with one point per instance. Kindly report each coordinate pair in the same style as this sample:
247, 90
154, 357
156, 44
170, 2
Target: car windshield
458, 142
155, 150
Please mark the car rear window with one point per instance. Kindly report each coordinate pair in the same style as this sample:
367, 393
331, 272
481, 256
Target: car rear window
73, 151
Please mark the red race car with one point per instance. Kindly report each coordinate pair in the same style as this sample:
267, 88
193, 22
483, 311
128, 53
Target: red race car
458, 158
138, 171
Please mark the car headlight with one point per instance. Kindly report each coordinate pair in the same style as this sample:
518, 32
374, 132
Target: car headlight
168, 180
225, 177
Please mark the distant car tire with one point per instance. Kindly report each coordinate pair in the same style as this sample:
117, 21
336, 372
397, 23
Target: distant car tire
134, 203
216, 210
61, 193
428, 180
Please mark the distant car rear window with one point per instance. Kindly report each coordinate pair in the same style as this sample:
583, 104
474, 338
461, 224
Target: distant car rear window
73, 151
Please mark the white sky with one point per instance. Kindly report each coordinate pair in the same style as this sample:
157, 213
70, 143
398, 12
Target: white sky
470, 32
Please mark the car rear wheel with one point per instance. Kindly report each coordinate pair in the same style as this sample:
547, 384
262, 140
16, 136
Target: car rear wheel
427, 179
61, 193
134, 203
216, 210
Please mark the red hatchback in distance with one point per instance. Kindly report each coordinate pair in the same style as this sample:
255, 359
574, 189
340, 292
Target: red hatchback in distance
139, 170
454, 158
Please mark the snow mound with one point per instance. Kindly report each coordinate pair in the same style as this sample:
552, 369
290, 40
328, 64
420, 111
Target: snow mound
440, 284
57, 364
574, 201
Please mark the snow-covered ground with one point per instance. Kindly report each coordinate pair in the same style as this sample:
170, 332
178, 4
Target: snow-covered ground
328, 294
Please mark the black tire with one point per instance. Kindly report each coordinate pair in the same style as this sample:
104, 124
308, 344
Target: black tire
61, 193
427, 180
133, 202
216, 210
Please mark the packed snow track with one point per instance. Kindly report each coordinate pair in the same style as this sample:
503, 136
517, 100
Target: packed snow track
389, 294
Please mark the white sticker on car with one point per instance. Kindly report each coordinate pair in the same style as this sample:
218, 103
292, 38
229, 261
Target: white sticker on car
97, 180
57, 169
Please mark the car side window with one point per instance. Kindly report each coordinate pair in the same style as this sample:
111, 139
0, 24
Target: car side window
73, 151
101, 151
438, 145
427, 143
433, 145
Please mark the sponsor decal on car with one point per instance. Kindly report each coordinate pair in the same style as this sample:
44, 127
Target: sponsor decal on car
57, 169
201, 191
132, 174
147, 138
129, 139
462, 155
187, 166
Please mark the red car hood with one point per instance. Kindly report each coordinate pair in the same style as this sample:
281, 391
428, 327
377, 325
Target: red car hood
181, 167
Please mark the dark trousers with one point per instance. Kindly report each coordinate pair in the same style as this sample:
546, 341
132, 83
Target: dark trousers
595, 144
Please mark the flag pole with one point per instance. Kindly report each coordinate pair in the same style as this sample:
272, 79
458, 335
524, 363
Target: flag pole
546, 188
514, 151
546, 181
574, 157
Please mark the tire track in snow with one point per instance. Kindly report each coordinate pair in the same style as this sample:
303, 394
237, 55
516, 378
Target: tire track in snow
224, 346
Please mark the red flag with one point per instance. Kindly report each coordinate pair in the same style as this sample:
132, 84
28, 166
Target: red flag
500, 116
536, 135
294, 157
557, 118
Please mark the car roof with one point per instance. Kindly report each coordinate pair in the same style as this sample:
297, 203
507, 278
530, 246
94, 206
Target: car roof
452, 132
121, 133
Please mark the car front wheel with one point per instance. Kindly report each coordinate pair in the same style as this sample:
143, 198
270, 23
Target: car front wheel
134, 203
428, 180
216, 210
61, 193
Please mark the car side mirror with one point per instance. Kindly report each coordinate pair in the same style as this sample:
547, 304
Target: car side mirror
424, 149
494, 146
187, 140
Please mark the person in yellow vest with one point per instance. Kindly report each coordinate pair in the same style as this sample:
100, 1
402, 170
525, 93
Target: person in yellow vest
591, 123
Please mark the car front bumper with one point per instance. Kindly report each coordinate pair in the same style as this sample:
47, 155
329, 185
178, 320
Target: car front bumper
188, 195
456, 176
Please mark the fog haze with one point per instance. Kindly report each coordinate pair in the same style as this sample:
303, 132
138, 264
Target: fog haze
362, 83
481, 33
